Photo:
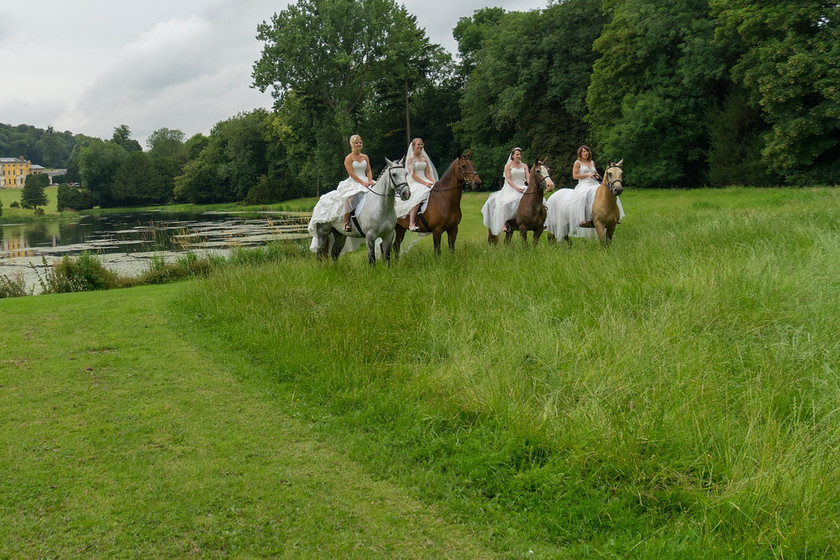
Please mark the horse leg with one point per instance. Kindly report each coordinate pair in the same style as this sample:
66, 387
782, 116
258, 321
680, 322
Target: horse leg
338, 245
451, 236
399, 233
387, 243
492, 239
436, 235
371, 249
523, 231
511, 224
600, 230
537, 234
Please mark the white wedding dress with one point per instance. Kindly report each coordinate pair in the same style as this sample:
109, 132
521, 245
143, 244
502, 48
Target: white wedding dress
501, 205
331, 205
419, 191
567, 208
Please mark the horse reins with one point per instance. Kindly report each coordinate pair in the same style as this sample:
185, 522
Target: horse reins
396, 185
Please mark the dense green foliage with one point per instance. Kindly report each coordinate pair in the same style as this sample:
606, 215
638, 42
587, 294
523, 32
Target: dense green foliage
74, 198
48, 148
689, 93
339, 67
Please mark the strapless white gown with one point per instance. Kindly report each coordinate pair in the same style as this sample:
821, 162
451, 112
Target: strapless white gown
502, 205
331, 205
419, 191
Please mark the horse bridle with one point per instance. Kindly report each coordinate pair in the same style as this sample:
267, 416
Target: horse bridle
464, 174
394, 183
613, 182
541, 181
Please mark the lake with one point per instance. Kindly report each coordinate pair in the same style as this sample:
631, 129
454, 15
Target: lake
126, 242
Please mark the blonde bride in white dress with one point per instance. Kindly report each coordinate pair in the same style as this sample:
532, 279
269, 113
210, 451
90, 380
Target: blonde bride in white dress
501, 205
347, 194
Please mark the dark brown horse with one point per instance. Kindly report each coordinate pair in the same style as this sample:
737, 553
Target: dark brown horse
443, 211
530, 215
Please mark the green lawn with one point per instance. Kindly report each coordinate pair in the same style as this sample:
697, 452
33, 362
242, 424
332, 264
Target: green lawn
7, 196
672, 397
122, 439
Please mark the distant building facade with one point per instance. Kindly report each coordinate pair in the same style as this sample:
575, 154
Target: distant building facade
13, 172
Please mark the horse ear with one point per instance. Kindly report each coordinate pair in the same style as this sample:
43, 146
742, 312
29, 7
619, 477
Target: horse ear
469, 154
620, 162
545, 160
388, 162
401, 163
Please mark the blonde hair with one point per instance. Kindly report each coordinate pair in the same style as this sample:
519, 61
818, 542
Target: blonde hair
353, 139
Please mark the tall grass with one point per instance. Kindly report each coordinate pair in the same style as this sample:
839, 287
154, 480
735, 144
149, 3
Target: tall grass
673, 396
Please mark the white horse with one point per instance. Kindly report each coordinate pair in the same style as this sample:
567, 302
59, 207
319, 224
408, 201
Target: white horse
375, 217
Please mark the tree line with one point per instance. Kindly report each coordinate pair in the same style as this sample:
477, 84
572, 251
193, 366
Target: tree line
689, 92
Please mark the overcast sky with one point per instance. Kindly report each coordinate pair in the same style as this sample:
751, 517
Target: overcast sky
88, 66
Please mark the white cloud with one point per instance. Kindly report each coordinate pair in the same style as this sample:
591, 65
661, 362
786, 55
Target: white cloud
154, 64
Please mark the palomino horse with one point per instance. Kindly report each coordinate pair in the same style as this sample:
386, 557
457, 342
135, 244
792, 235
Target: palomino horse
443, 211
530, 215
605, 212
375, 220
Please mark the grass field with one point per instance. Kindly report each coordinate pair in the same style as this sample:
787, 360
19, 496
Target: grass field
8, 196
673, 396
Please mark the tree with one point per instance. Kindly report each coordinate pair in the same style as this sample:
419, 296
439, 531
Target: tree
344, 64
122, 136
789, 65
74, 198
231, 163
33, 193
137, 181
528, 86
657, 79
470, 33
165, 143
98, 163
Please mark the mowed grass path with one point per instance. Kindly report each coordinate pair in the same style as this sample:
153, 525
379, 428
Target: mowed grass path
119, 439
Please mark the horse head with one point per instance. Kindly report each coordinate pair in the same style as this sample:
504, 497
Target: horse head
540, 173
614, 177
465, 170
398, 178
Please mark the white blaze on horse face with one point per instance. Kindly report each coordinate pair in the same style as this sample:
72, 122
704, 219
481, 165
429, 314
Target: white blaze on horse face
549, 184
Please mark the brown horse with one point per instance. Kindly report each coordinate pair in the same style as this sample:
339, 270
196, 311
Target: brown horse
530, 215
443, 211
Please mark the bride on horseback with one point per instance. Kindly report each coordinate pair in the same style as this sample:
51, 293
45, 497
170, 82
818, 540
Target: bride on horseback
422, 176
348, 193
501, 205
